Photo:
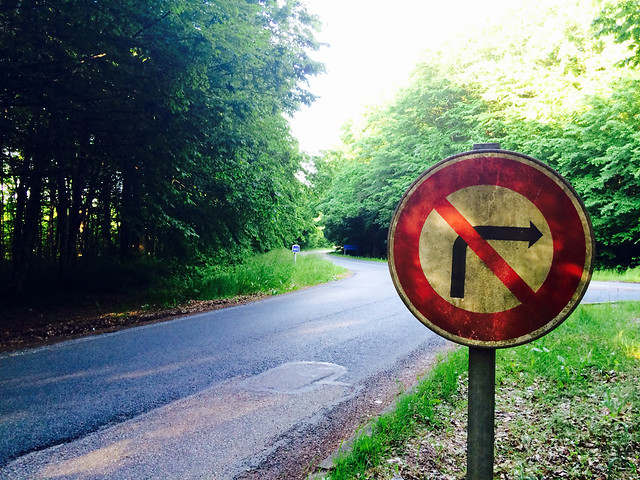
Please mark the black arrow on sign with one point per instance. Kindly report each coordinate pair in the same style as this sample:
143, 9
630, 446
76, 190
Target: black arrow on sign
529, 234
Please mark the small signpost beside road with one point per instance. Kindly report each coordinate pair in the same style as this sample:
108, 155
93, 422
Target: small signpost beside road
490, 249
295, 249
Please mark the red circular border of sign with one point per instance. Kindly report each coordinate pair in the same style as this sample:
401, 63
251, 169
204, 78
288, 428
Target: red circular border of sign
571, 232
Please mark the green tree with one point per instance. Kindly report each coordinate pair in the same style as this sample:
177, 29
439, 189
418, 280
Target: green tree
112, 112
537, 80
429, 121
621, 20
598, 152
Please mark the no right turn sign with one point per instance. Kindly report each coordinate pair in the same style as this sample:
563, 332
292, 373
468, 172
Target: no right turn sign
491, 248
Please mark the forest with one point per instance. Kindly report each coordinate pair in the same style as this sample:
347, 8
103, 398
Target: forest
149, 129
157, 132
554, 80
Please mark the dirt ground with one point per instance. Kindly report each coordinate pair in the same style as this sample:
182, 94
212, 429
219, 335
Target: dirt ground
25, 328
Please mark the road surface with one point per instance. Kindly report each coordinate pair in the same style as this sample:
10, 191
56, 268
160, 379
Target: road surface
603, 292
262, 390
215, 395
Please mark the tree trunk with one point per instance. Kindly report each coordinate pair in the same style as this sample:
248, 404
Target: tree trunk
105, 218
130, 212
26, 226
2, 222
63, 225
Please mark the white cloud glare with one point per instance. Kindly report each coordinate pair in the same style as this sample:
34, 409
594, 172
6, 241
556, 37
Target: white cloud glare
373, 46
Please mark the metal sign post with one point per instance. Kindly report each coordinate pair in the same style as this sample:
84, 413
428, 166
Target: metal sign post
481, 411
295, 249
490, 249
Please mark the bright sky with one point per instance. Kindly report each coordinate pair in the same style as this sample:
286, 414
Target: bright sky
373, 47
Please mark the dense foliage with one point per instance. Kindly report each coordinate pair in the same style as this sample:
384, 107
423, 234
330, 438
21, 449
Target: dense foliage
548, 79
149, 127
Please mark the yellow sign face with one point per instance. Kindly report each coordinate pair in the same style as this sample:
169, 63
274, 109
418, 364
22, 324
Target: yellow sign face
487, 206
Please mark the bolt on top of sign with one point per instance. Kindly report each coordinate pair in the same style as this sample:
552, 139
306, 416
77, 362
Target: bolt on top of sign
491, 248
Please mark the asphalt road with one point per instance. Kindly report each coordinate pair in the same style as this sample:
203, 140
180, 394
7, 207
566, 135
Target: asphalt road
208, 396
602, 292
220, 394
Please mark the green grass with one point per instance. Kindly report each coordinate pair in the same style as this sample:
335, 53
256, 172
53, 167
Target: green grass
617, 275
355, 257
393, 429
271, 273
121, 287
568, 406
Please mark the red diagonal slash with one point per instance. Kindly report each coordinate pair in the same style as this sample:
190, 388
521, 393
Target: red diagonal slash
487, 253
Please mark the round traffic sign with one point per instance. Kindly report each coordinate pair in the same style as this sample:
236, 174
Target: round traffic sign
491, 248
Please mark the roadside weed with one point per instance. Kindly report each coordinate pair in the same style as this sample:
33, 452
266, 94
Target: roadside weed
567, 406
419, 409
618, 275
270, 273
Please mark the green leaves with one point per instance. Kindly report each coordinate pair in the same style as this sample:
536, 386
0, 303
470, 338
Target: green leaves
600, 156
621, 20
429, 121
534, 79
155, 127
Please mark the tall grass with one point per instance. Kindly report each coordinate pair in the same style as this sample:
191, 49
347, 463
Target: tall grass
128, 285
605, 337
271, 273
617, 275
582, 384
571, 399
413, 409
